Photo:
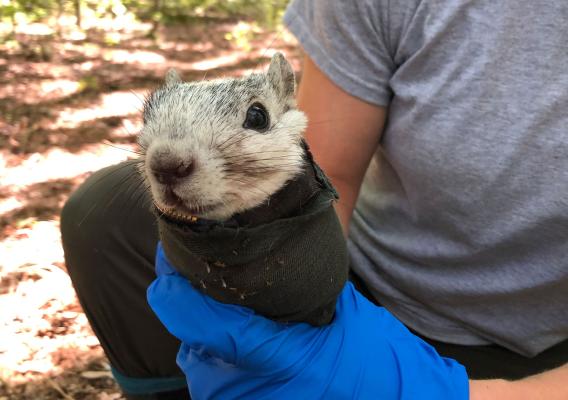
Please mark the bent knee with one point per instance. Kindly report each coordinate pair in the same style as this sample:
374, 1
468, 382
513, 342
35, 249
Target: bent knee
99, 200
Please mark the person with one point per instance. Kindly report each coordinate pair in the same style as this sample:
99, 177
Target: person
443, 127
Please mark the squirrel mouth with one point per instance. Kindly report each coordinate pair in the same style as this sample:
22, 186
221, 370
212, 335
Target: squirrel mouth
175, 207
184, 213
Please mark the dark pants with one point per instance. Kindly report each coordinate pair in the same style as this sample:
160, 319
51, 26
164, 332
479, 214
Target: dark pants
109, 237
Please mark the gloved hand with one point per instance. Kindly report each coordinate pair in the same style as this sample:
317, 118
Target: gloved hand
228, 352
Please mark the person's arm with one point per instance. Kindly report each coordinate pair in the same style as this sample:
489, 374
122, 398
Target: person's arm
343, 134
551, 385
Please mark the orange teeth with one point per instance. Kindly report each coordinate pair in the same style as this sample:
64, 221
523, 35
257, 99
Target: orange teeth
177, 215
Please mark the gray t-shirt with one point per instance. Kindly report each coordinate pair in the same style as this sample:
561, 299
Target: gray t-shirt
461, 227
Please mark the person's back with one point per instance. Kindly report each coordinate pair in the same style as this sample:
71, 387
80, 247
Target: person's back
462, 221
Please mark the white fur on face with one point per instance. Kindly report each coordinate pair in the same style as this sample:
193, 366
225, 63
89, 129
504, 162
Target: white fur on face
235, 169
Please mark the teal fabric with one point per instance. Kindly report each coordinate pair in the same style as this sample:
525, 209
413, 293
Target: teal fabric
148, 385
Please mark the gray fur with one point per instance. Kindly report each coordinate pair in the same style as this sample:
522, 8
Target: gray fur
281, 76
236, 169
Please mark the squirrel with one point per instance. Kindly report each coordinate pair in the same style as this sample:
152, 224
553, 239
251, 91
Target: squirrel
243, 210
217, 148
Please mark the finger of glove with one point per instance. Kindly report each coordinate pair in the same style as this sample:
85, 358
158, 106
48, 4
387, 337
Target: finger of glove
163, 266
221, 330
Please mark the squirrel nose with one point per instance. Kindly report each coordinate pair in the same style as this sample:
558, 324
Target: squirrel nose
168, 173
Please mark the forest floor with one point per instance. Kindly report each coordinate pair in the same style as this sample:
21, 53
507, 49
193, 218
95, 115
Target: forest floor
66, 103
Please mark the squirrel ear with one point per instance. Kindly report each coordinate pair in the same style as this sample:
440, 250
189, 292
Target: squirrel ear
172, 77
281, 76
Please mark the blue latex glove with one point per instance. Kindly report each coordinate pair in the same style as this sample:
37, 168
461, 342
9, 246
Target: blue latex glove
229, 352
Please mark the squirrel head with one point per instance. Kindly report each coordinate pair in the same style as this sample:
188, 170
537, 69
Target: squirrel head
217, 148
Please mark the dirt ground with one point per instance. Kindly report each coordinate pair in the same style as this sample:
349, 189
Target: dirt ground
70, 105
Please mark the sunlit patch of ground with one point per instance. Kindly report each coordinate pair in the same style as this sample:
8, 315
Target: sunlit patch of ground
115, 104
46, 89
61, 100
46, 340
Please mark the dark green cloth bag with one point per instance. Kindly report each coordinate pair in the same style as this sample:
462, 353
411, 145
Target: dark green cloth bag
286, 259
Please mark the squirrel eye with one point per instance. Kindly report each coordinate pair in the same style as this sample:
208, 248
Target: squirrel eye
257, 118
